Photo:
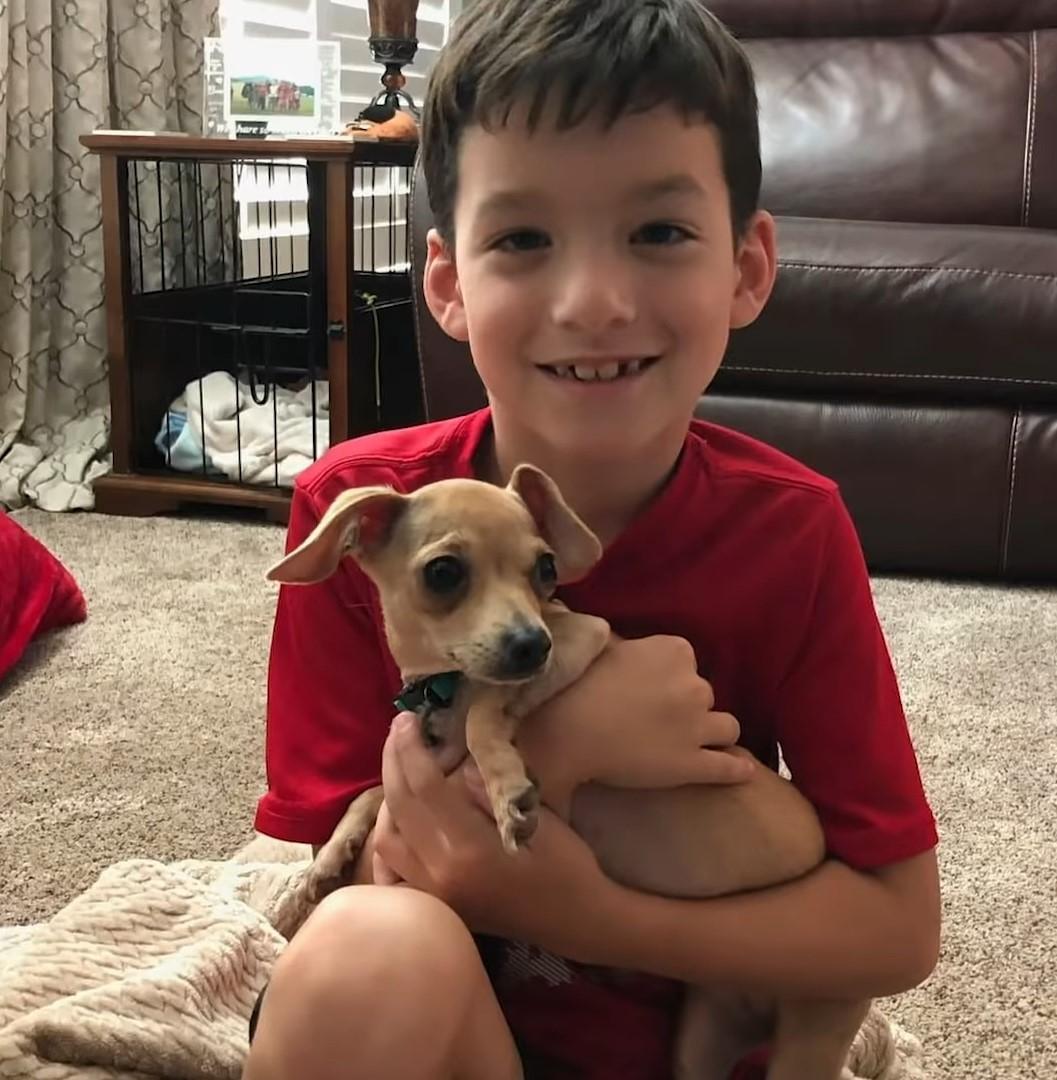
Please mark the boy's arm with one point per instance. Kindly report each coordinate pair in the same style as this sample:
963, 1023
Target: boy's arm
836, 933
865, 923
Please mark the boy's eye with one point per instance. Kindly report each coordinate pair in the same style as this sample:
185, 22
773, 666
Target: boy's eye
663, 233
522, 240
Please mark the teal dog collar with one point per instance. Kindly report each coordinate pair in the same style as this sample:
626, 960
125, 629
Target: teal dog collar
429, 693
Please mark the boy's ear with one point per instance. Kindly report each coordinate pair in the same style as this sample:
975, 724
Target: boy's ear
440, 284
358, 522
576, 548
757, 264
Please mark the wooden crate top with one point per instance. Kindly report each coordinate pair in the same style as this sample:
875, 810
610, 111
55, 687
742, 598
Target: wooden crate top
152, 145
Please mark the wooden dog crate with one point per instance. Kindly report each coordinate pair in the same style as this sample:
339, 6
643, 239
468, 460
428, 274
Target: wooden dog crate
258, 297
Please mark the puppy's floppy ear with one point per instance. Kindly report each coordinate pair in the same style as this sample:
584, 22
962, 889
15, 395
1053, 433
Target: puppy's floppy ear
359, 522
576, 548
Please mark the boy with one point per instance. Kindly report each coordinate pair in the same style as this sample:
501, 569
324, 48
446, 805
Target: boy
594, 171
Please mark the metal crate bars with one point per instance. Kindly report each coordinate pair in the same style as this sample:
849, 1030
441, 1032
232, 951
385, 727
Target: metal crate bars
230, 328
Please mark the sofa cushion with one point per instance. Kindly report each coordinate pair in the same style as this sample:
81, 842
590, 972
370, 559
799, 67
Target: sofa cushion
936, 489
955, 128
838, 18
892, 309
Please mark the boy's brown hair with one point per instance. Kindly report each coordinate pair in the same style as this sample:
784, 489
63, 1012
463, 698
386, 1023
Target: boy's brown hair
614, 56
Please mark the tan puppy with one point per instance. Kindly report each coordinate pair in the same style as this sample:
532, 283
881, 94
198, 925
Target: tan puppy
466, 573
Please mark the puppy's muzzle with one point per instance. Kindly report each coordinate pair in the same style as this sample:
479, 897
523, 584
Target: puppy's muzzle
523, 651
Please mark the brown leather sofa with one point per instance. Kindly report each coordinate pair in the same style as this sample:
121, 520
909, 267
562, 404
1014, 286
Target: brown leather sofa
910, 347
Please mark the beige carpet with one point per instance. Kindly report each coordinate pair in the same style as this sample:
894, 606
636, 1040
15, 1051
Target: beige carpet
140, 734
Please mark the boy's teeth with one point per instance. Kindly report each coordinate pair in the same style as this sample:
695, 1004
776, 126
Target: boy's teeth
603, 374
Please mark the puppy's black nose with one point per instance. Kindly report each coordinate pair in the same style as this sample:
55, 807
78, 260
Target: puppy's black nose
524, 650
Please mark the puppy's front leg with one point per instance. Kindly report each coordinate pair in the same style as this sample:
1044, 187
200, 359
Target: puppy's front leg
489, 737
333, 865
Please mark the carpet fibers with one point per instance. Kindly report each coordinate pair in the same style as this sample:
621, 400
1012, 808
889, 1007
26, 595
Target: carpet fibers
140, 733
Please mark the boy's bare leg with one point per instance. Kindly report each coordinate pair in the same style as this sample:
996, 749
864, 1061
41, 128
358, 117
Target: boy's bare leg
381, 982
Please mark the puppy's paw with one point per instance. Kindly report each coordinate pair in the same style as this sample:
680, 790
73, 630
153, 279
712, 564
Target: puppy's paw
326, 875
332, 869
519, 818
319, 884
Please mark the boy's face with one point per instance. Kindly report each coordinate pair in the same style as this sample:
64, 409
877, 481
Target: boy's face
587, 254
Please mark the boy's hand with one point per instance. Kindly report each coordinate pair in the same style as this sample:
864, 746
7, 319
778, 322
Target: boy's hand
640, 717
434, 834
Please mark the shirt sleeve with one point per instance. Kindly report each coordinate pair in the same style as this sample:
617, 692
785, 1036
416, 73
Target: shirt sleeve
841, 723
331, 684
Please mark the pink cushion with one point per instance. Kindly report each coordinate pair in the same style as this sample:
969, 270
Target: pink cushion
37, 593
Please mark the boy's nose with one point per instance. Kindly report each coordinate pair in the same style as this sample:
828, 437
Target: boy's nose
594, 296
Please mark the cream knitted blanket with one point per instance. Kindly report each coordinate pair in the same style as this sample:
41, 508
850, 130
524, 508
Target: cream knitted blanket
153, 971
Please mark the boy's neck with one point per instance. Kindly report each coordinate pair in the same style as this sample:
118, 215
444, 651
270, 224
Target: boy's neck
606, 495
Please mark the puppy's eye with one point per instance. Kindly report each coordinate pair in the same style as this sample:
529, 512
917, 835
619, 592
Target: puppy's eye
444, 574
546, 572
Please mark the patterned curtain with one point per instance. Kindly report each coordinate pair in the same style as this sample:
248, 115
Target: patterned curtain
68, 67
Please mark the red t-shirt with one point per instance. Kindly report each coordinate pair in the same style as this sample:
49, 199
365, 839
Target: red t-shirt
748, 555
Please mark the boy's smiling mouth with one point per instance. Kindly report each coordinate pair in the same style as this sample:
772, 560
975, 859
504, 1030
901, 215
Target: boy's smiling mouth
611, 370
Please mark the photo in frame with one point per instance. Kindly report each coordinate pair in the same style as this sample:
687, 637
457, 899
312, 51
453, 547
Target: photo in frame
271, 86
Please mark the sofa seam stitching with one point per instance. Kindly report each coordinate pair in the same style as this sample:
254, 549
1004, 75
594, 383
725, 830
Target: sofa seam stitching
1029, 135
890, 375
1014, 441
917, 269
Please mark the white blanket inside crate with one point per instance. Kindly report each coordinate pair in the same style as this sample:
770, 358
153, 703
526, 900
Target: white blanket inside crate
215, 421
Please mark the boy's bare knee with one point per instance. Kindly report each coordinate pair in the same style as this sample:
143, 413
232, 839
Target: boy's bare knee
384, 974
365, 937
402, 928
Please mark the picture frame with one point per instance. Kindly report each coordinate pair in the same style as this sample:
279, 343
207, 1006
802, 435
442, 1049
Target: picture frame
271, 87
